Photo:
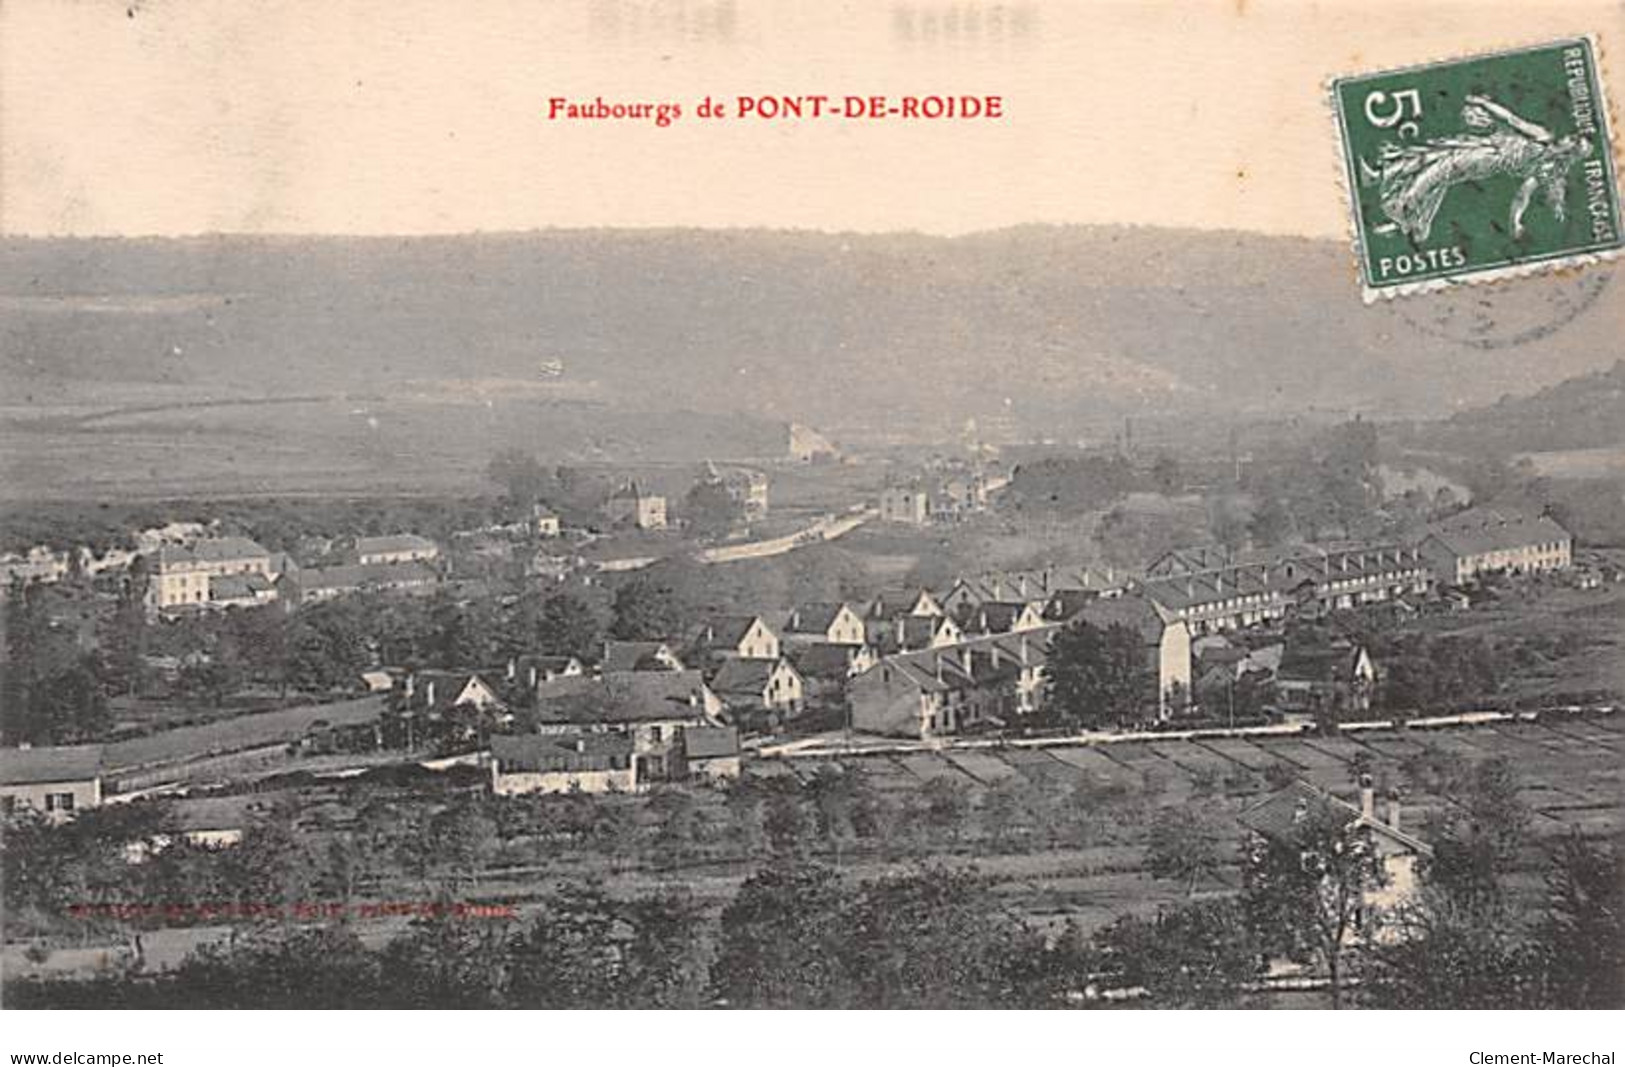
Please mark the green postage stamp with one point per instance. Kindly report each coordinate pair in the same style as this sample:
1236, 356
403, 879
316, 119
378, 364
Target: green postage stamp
1479, 168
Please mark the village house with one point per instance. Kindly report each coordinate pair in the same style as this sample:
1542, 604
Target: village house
518, 682
751, 687
941, 692
895, 602
55, 781
544, 521
957, 496
312, 585
631, 506
710, 753
640, 656
38, 564
1311, 581
439, 691
180, 574
826, 668
1488, 540
563, 762
1281, 816
210, 823
652, 707
1001, 617
1165, 638
241, 591
907, 504
1332, 676
908, 633
1038, 587
824, 622
395, 548
748, 488
733, 637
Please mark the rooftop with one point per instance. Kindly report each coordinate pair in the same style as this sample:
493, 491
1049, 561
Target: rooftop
56, 763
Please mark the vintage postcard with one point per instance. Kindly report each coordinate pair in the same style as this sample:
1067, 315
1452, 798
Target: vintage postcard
690, 504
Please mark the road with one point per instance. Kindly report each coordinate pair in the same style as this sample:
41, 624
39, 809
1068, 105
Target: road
827, 528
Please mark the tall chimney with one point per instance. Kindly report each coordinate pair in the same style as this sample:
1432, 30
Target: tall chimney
1368, 799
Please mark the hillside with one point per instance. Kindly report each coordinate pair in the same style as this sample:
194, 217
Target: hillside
898, 336
1584, 412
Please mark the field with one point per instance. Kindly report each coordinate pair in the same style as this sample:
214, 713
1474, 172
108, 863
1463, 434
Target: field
1570, 768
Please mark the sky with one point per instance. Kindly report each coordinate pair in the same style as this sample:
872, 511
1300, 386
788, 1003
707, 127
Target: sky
181, 117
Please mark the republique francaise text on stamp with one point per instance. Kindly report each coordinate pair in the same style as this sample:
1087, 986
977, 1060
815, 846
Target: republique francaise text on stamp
1479, 168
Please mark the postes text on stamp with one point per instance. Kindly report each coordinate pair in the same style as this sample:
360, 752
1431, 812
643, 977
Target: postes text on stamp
1479, 168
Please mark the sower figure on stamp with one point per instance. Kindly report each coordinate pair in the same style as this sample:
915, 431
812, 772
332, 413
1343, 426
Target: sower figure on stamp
1416, 177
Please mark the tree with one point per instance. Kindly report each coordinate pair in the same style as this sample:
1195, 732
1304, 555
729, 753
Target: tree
1453, 956
1202, 955
1271, 522
644, 610
446, 960
588, 950
1583, 936
567, 626
1305, 894
1183, 846
1167, 475
324, 967
1098, 677
780, 941
710, 510
523, 480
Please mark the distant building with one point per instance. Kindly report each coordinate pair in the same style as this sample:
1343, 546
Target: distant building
940, 692
958, 496
1310, 581
1310, 677
907, 601
1038, 586
819, 622
826, 668
631, 506
55, 781
652, 707
180, 574
1485, 540
711, 753
240, 590
745, 486
310, 585
1281, 816
640, 656
565, 762
907, 504
1165, 638
734, 637
544, 521
1001, 617
395, 548
749, 686
807, 445
910, 633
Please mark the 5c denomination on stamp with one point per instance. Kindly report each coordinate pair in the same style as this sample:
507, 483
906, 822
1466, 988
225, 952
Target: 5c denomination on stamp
1479, 168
